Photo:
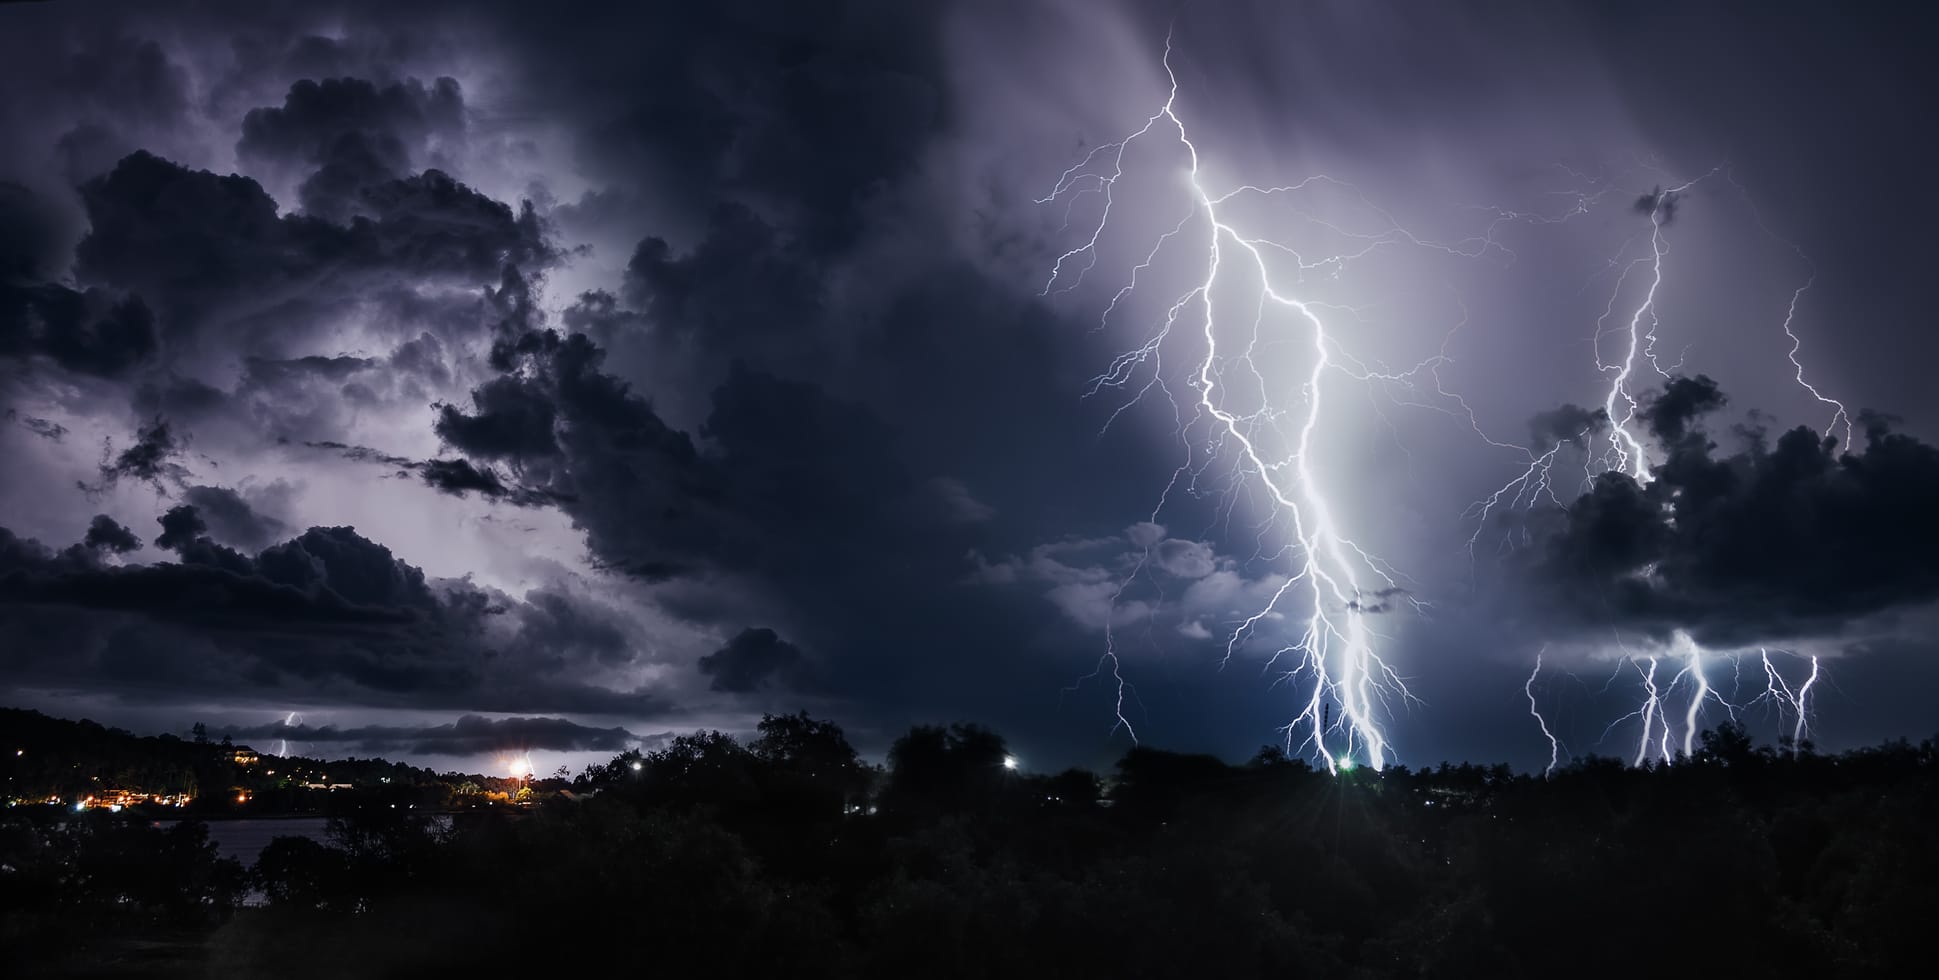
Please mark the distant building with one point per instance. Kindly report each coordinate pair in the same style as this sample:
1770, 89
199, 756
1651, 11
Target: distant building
246, 756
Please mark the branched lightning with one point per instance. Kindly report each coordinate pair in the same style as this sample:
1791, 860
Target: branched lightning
1248, 432
1781, 694
1333, 586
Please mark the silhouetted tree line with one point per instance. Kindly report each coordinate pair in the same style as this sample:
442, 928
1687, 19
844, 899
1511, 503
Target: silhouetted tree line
787, 855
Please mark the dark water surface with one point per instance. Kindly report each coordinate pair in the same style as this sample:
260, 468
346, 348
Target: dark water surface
245, 839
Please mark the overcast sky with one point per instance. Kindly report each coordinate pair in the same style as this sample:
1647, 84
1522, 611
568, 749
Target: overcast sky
452, 380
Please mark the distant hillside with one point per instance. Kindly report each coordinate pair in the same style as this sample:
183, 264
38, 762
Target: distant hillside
44, 758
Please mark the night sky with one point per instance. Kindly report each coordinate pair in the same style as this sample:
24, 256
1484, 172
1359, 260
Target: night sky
439, 381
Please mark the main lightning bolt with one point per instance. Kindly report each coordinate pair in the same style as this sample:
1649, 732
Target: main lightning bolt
1333, 585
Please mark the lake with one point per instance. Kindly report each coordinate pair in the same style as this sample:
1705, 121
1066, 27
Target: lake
245, 839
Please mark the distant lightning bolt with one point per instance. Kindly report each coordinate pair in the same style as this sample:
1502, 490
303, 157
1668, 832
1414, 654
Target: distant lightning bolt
1528, 688
294, 719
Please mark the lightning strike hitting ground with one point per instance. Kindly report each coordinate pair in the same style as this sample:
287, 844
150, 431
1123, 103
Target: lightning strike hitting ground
1626, 451
1332, 587
1780, 693
1528, 688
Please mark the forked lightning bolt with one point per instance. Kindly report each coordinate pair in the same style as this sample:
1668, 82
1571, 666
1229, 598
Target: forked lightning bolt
1332, 583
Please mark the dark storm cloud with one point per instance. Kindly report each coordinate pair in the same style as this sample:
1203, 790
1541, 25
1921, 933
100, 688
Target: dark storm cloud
30, 249
458, 477
571, 629
1683, 401
90, 97
755, 658
1762, 545
702, 299
45, 428
268, 372
511, 420
350, 134
469, 735
1570, 424
765, 130
181, 526
789, 476
803, 109
210, 587
153, 458
327, 615
196, 244
231, 520
93, 331
105, 533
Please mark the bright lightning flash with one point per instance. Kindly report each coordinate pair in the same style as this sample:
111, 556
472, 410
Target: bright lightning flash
1333, 586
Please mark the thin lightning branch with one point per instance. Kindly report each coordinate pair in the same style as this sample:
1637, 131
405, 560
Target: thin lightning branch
1838, 416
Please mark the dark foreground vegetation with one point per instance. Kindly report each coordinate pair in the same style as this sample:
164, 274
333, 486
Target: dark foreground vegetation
789, 857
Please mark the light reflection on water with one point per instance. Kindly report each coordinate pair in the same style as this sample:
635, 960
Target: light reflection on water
245, 839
